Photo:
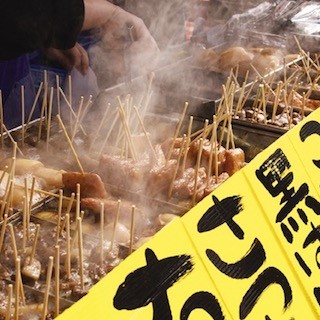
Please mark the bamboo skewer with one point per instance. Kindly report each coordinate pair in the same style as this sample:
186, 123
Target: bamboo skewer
17, 289
14, 243
78, 200
3, 230
213, 142
71, 111
70, 96
57, 280
276, 103
31, 193
108, 134
70, 144
47, 290
132, 227
22, 115
80, 248
10, 298
34, 245
115, 224
127, 131
49, 117
196, 172
182, 148
11, 138
33, 106
75, 128
145, 132
177, 130
43, 106
58, 232
68, 246
102, 123
101, 233
58, 94
187, 144
24, 223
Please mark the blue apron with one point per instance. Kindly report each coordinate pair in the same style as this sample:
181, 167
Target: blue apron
13, 74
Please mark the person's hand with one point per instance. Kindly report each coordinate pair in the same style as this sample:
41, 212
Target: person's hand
124, 31
75, 57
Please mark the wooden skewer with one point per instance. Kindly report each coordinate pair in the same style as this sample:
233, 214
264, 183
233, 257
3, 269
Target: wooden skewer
303, 104
115, 224
3, 230
43, 106
116, 118
127, 132
68, 245
1, 120
86, 107
71, 111
177, 130
35, 102
11, 138
59, 216
78, 201
70, 144
101, 125
196, 172
34, 245
14, 243
31, 193
24, 223
262, 78
47, 290
48, 193
248, 93
69, 207
276, 102
58, 94
213, 142
22, 115
57, 280
182, 148
132, 227
80, 247
70, 204
187, 144
101, 233
17, 289
75, 128
216, 146
49, 117
5, 201
70, 96
145, 131
10, 298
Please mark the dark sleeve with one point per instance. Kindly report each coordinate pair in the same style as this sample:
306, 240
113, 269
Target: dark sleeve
33, 24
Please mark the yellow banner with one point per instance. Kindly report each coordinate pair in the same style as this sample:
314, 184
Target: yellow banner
250, 250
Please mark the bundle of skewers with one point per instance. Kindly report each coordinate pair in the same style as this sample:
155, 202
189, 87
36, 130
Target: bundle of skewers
272, 102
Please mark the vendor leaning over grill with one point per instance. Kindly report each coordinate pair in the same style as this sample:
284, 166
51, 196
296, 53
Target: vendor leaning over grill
54, 25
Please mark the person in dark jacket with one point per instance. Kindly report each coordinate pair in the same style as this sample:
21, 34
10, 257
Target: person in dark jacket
54, 25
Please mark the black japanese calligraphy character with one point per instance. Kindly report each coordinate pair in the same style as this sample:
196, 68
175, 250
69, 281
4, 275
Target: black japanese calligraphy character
222, 212
205, 301
308, 129
292, 199
317, 260
313, 204
293, 223
286, 232
303, 216
271, 171
313, 236
268, 277
303, 264
149, 284
244, 268
316, 292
